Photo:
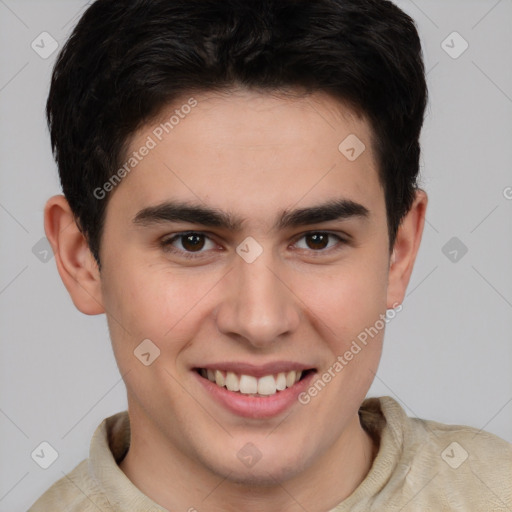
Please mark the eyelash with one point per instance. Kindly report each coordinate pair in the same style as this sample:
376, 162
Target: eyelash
166, 243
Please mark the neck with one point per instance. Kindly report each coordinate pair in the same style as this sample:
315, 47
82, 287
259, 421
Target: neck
177, 481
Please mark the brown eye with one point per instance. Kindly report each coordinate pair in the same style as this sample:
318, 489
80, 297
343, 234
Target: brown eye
192, 242
319, 241
187, 245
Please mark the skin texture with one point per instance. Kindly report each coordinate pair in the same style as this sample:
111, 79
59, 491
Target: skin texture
253, 155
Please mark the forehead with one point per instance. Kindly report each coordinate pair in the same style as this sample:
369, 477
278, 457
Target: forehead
251, 152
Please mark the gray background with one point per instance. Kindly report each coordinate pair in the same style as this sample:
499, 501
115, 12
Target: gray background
447, 355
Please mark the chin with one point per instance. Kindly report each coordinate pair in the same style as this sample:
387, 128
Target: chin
261, 478
264, 473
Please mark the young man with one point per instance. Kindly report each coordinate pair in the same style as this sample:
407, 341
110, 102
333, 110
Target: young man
240, 200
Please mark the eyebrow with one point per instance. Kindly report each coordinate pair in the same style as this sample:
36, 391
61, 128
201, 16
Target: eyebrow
177, 211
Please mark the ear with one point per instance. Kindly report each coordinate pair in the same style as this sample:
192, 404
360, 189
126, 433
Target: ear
76, 264
405, 249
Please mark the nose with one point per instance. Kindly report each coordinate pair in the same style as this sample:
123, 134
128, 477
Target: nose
258, 303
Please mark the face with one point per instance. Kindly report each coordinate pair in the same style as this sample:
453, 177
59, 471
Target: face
263, 283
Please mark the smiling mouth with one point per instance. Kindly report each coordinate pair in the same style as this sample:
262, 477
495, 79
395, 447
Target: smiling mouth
265, 386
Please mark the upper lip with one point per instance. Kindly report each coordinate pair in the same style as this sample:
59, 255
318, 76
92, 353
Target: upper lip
242, 368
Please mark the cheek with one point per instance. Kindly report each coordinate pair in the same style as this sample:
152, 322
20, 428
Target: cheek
347, 300
150, 302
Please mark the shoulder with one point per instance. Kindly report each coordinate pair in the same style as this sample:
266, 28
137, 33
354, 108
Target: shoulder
75, 491
454, 467
88, 487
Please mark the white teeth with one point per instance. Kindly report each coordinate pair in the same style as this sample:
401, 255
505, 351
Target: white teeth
219, 378
281, 381
232, 382
290, 379
267, 385
249, 385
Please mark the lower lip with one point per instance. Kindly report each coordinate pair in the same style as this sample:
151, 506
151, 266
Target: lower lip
252, 406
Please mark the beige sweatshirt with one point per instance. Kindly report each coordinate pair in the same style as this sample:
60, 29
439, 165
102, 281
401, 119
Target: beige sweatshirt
421, 466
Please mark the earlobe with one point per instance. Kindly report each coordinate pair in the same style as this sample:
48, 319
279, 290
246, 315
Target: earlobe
405, 249
76, 264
